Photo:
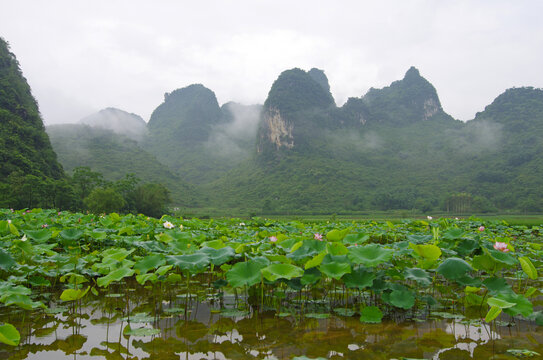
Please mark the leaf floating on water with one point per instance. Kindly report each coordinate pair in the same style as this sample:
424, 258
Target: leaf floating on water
344, 312
317, 316
523, 353
371, 315
140, 331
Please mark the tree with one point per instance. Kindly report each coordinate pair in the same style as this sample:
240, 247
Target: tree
151, 199
104, 200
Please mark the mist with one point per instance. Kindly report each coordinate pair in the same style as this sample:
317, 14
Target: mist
237, 135
477, 136
118, 121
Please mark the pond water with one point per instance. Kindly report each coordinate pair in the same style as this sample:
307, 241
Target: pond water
145, 324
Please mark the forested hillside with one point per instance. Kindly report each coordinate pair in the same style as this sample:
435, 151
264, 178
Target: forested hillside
30, 175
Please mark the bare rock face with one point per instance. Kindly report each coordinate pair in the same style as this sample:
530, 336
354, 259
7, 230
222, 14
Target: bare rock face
276, 130
431, 107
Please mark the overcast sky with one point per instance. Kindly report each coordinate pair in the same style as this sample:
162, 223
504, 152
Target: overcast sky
83, 56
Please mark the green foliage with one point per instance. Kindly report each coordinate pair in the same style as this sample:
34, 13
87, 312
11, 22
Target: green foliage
104, 200
151, 199
29, 169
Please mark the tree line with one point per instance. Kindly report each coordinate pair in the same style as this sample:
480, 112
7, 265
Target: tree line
84, 190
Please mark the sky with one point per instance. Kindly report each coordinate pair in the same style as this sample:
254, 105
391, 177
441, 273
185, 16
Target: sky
82, 56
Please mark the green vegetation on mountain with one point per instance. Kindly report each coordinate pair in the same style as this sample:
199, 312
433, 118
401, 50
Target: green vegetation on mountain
29, 172
114, 155
194, 136
118, 121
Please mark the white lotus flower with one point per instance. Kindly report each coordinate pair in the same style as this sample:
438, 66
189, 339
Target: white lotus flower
168, 225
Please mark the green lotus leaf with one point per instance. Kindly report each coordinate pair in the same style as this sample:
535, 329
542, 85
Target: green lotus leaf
335, 270
336, 248
143, 278
359, 278
453, 268
453, 234
337, 235
466, 246
493, 313
487, 263
356, 239
245, 273
39, 236
140, 331
214, 244
73, 294
418, 275
218, 256
503, 257
281, 271
371, 315
522, 306
315, 261
309, 248
6, 261
22, 301
310, 276
71, 234
9, 335
428, 252
115, 254
402, 298
496, 285
528, 267
115, 275
500, 303
38, 281
369, 255
193, 263
149, 262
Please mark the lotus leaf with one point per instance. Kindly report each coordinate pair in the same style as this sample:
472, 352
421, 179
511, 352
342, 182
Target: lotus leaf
356, 239
149, 262
500, 303
453, 268
371, 315
218, 256
193, 263
73, 294
369, 255
309, 248
71, 234
337, 235
6, 261
281, 271
359, 278
402, 298
245, 273
528, 267
522, 306
9, 335
428, 252
496, 285
311, 276
335, 270
39, 236
502, 257
115, 275
418, 275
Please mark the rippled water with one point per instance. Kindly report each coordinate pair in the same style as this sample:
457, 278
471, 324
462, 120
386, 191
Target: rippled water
220, 330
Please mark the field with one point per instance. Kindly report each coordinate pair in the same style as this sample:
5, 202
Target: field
132, 287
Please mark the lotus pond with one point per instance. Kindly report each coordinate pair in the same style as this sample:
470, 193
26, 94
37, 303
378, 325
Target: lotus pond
82, 286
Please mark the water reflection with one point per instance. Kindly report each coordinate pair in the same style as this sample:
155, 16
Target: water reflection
107, 328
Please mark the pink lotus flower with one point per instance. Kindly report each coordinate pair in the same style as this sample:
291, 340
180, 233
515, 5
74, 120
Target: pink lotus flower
501, 246
273, 239
318, 236
44, 226
481, 228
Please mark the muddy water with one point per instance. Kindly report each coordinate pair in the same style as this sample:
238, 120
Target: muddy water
220, 330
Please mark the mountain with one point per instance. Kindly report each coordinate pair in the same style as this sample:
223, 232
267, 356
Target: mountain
393, 148
28, 164
190, 133
118, 121
115, 155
